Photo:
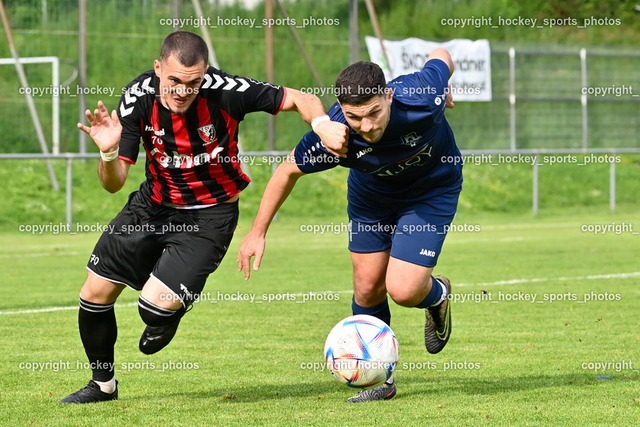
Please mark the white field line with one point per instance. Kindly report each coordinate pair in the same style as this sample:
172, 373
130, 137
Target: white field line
44, 254
632, 275
45, 246
50, 309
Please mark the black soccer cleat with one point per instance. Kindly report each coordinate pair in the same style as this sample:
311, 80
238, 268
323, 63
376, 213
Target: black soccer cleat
155, 338
386, 391
437, 325
91, 394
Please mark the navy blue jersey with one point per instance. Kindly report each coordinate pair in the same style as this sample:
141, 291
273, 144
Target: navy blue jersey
409, 162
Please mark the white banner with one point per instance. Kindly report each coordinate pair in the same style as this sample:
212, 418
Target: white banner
471, 80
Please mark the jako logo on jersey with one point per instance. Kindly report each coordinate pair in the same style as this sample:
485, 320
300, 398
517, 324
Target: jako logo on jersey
411, 139
427, 252
207, 134
363, 152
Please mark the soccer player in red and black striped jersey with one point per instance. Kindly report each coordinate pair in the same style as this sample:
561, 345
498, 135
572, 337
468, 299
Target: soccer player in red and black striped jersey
175, 230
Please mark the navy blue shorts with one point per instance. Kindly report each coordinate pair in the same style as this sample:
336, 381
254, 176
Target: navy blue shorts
415, 231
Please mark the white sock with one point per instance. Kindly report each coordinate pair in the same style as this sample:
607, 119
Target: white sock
107, 386
390, 380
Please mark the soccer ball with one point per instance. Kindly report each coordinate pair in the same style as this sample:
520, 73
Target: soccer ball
361, 351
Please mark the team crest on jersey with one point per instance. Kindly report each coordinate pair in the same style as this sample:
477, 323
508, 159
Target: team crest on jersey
410, 139
207, 134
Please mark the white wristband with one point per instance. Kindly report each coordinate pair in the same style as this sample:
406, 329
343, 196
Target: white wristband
109, 157
317, 120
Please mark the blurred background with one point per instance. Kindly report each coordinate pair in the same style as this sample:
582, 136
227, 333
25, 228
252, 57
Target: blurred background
538, 102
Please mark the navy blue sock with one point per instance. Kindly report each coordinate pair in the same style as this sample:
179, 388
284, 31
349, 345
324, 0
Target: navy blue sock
434, 296
381, 311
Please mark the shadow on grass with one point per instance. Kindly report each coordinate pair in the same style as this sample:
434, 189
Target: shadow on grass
412, 386
474, 385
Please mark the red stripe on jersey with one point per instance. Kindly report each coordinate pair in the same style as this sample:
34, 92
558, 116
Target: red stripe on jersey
204, 119
284, 97
183, 143
232, 128
156, 195
126, 159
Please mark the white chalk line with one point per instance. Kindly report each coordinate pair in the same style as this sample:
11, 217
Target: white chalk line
611, 276
44, 254
632, 275
51, 309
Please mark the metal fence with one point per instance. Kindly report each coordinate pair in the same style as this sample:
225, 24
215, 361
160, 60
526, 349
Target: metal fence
547, 99
554, 97
544, 95
536, 159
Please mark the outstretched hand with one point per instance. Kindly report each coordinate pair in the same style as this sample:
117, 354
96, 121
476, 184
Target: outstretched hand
251, 246
105, 130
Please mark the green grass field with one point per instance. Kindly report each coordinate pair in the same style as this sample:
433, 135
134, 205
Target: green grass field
510, 361
515, 357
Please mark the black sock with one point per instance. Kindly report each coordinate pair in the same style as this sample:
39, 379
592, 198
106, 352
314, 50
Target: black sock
98, 331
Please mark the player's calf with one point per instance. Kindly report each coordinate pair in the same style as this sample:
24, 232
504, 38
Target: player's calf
437, 328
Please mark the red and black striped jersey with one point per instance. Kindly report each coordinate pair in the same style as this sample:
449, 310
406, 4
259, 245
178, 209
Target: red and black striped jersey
192, 159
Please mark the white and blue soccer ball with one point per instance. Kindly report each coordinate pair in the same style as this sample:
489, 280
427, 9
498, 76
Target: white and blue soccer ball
361, 351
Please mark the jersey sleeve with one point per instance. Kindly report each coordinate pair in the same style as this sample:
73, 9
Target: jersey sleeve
427, 88
241, 95
130, 114
312, 156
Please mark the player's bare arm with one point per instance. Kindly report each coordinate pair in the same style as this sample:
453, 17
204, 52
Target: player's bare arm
334, 135
443, 55
276, 192
105, 130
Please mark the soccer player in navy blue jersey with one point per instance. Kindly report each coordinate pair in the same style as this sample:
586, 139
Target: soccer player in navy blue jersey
174, 231
402, 192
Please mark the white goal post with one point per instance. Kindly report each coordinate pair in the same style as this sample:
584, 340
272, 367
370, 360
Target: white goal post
55, 93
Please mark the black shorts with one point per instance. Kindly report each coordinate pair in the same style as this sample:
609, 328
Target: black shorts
179, 247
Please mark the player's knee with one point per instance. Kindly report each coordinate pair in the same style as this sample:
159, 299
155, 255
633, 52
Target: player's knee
154, 315
369, 293
403, 294
402, 298
100, 291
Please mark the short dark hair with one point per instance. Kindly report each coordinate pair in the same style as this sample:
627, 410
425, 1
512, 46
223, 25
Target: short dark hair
360, 82
188, 48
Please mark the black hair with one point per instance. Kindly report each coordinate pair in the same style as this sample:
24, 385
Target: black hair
188, 48
360, 82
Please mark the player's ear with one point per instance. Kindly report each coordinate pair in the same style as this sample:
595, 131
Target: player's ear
389, 95
156, 67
